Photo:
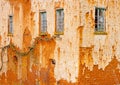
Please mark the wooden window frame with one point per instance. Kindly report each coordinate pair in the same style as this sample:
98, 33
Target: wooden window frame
40, 27
100, 30
57, 32
10, 28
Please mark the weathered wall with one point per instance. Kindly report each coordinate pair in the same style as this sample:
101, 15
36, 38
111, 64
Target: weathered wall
99, 54
79, 57
46, 49
4, 40
104, 42
66, 49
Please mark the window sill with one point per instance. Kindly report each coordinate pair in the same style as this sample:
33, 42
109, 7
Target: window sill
10, 34
43, 34
59, 33
100, 33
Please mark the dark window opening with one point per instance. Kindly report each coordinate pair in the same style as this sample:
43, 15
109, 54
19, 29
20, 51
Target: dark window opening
99, 19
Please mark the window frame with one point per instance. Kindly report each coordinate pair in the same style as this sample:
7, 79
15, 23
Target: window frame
40, 24
59, 32
10, 25
97, 29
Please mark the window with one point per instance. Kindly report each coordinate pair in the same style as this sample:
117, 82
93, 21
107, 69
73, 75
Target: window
10, 25
99, 19
43, 22
59, 21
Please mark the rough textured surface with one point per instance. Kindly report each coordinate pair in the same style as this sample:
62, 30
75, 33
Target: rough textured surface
79, 57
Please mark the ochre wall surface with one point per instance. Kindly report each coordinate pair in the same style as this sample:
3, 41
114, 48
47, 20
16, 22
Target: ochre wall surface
78, 57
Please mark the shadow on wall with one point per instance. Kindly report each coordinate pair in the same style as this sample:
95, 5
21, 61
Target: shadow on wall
26, 39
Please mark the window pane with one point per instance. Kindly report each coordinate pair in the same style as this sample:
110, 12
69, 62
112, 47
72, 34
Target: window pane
99, 19
10, 30
60, 20
43, 22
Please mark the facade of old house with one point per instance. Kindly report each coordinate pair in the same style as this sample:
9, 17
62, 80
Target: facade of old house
59, 42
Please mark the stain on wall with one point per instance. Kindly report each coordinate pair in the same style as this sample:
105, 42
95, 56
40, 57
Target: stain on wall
98, 76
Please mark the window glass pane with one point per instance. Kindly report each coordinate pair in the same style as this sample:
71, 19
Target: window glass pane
43, 22
101, 16
10, 24
99, 19
60, 20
